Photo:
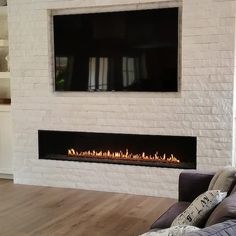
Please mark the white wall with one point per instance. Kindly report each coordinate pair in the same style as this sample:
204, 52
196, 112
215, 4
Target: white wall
203, 107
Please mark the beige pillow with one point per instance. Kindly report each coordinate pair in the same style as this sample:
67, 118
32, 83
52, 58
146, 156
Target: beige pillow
223, 179
179, 230
199, 208
213, 180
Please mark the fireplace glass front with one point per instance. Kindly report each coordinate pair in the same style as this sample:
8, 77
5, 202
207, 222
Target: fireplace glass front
127, 149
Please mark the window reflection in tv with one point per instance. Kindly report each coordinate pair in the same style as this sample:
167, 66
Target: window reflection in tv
117, 51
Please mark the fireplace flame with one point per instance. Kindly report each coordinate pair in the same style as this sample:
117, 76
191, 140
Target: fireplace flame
123, 156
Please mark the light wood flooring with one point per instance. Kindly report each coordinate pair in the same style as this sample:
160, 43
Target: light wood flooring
43, 211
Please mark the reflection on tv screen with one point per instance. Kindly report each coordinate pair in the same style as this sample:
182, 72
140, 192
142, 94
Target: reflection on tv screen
117, 51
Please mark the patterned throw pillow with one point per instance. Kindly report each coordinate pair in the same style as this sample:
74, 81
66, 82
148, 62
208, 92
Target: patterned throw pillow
179, 230
199, 208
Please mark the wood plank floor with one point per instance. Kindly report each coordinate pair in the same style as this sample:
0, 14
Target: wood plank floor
43, 211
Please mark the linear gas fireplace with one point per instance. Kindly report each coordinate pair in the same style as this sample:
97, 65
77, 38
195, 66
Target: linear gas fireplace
128, 149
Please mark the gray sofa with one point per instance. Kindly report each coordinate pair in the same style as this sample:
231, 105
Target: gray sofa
221, 221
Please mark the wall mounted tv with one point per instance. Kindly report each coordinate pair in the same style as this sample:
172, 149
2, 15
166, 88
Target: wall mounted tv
117, 51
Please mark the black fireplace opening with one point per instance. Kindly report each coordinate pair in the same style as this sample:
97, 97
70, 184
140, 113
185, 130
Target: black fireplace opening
115, 148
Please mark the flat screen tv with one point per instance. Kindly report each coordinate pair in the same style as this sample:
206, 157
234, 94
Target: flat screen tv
117, 51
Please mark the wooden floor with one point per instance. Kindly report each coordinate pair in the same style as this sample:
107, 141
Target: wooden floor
40, 211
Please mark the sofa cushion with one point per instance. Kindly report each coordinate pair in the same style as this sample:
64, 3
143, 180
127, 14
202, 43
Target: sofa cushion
226, 210
199, 208
223, 179
226, 228
165, 220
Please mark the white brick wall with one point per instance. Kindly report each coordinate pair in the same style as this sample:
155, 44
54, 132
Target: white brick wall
202, 108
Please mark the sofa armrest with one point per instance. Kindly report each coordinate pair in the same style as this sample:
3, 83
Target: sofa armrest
166, 219
192, 184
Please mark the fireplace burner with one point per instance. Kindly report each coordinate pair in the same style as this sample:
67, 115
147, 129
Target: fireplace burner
128, 149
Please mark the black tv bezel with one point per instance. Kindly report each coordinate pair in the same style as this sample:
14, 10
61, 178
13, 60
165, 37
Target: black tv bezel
179, 55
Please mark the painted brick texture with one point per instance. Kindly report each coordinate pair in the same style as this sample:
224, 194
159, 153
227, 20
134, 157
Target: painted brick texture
203, 107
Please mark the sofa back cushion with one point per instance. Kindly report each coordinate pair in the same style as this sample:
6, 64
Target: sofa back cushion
192, 184
226, 210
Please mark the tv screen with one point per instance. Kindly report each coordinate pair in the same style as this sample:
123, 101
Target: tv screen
117, 51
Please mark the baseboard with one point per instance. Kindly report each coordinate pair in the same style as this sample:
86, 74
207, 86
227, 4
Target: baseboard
6, 176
